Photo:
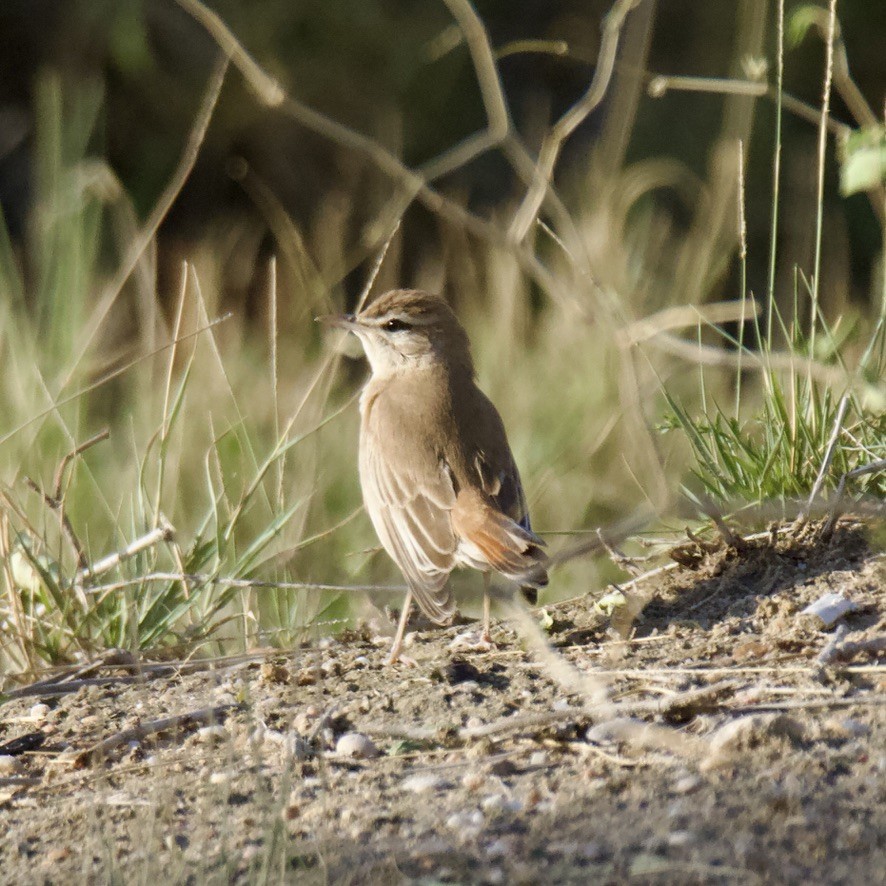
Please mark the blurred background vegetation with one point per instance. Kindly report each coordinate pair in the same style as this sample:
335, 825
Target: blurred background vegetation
243, 434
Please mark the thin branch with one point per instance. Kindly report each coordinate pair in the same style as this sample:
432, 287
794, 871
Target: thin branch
163, 532
681, 316
498, 118
525, 217
811, 704
205, 578
661, 84
53, 689
55, 500
785, 361
412, 184
79, 450
190, 720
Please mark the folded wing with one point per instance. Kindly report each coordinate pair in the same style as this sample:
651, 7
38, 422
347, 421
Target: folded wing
489, 538
410, 508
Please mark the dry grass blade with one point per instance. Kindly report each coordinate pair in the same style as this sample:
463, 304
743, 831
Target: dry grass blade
159, 212
109, 376
826, 461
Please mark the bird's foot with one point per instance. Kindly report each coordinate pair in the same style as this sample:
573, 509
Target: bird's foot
473, 641
396, 657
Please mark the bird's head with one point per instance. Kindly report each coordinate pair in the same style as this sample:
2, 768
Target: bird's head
405, 329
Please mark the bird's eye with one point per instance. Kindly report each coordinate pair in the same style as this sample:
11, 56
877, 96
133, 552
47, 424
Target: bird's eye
395, 325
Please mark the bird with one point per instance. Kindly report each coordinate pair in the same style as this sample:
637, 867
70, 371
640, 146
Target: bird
438, 478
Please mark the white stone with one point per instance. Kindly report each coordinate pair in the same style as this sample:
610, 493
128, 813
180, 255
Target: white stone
39, 711
214, 734
423, 783
357, 745
9, 765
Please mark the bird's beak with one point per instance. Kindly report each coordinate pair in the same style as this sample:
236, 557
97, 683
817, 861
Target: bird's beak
338, 321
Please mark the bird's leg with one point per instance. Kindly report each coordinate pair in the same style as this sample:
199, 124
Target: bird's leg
485, 636
401, 630
471, 642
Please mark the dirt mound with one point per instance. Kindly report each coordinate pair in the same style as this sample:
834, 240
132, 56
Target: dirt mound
741, 740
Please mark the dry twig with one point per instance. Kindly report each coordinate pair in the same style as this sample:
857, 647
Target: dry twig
200, 717
56, 502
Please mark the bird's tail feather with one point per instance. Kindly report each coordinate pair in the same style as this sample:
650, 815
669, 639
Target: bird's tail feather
491, 538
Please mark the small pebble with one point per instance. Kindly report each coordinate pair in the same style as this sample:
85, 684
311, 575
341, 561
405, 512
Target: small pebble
473, 781
214, 734
592, 851
854, 728
39, 711
615, 730
502, 768
290, 812
497, 804
297, 747
219, 777
423, 783
687, 784
538, 758
753, 730
226, 698
493, 804
499, 848
9, 765
677, 839
274, 672
304, 721
307, 676
679, 809
330, 668
468, 823
57, 854
355, 744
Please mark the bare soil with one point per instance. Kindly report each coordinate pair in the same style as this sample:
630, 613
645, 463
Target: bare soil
732, 754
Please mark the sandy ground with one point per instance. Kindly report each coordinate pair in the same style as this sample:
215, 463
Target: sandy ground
725, 750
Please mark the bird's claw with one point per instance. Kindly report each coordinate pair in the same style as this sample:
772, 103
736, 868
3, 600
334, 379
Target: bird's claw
473, 641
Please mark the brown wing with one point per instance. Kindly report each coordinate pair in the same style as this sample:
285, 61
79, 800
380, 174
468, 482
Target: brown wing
409, 505
491, 537
501, 482
491, 513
